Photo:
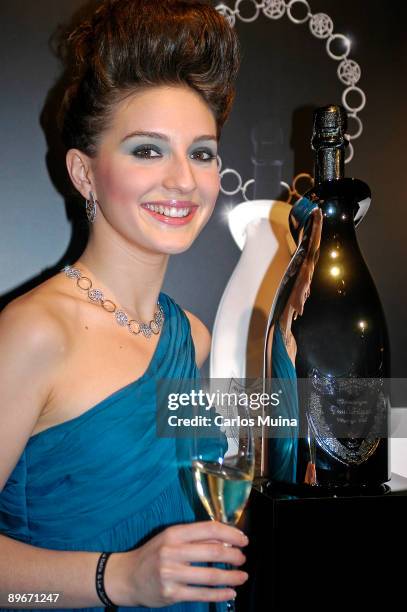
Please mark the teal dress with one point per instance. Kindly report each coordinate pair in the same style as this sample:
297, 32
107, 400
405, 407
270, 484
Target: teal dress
104, 481
283, 451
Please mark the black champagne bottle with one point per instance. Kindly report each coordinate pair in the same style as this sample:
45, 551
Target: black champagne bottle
327, 348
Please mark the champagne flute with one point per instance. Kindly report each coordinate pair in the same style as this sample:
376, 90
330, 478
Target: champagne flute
223, 468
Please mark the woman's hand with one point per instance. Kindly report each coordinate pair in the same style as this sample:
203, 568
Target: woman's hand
160, 573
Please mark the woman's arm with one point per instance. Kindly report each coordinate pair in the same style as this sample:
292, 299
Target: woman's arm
70, 576
31, 345
156, 574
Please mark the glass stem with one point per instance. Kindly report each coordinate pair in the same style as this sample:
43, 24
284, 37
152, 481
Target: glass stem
230, 605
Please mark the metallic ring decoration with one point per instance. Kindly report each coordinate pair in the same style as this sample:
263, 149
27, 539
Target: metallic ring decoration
349, 72
245, 186
359, 124
346, 43
228, 13
321, 27
121, 318
350, 152
71, 272
274, 9
362, 104
95, 295
247, 19
108, 305
290, 14
134, 327
88, 283
290, 192
300, 176
239, 178
154, 327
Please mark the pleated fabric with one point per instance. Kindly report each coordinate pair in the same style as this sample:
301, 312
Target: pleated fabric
284, 450
104, 481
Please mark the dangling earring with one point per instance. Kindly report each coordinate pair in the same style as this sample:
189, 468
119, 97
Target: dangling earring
91, 207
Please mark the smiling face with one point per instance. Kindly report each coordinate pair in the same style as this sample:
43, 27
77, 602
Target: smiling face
155, 175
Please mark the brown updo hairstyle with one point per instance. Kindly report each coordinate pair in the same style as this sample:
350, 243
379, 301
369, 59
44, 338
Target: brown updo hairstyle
125, 46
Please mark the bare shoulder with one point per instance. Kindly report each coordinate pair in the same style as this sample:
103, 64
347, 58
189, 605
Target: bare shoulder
31, 340
201, 337
32, 325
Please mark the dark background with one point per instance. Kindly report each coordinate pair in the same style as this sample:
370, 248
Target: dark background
285, 74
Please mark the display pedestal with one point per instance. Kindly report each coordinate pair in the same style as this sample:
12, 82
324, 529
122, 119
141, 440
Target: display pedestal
325, 552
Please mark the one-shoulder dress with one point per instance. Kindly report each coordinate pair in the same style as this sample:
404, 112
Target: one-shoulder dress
104, 481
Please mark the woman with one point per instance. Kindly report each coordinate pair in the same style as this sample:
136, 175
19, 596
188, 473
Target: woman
300, 292
282, 452
82, 473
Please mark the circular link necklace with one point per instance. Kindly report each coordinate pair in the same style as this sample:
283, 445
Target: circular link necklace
96, 295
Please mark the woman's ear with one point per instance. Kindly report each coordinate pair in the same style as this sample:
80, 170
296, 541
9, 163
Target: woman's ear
80, 171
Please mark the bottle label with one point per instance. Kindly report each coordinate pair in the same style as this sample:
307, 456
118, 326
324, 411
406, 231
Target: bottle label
347, 417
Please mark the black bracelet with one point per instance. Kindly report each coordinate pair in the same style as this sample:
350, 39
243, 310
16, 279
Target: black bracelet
100, 587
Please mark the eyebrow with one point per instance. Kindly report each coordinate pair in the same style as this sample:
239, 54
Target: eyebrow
165, 137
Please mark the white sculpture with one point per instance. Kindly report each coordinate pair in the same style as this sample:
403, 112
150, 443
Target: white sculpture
260, 229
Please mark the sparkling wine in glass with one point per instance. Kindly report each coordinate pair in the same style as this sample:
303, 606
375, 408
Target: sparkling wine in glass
223, 468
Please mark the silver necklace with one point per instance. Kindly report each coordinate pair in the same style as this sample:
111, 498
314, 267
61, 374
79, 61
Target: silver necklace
96, 295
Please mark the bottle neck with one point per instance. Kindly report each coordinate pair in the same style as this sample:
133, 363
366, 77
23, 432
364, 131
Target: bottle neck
329, 164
